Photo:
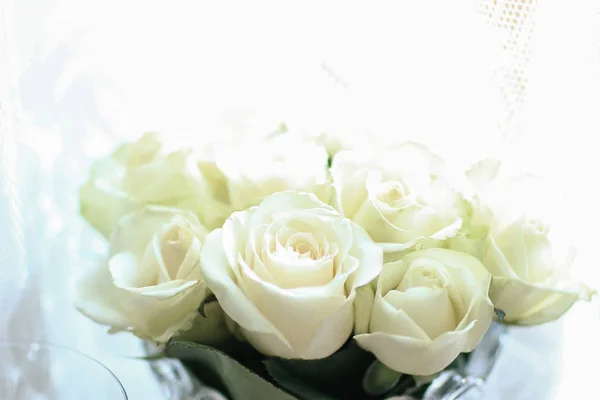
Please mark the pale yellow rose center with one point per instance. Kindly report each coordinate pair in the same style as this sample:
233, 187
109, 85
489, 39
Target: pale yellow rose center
294, 258
424, 273
175, 242
392, 193
165, 259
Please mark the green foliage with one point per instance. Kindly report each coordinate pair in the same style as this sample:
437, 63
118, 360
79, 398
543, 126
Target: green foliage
239, 372
338, 376
293, 383
225, 374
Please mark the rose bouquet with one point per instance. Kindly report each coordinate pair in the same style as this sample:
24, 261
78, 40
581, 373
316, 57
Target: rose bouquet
277, 271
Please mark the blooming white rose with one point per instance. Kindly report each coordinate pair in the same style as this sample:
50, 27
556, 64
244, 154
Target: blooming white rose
138, 173
240, 176
530, 285
429, 307
286, 272
398, 195
151, 283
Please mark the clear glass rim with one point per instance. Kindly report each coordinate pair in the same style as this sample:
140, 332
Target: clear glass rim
48, 345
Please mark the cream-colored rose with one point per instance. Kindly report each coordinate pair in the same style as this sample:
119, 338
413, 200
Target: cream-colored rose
286, 272
240, 176
530, 286
138, 173
151, 283
429, 307
398, 195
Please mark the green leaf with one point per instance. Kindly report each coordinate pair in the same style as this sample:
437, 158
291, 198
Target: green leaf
347, 365
292, 383
339, 365
225, 373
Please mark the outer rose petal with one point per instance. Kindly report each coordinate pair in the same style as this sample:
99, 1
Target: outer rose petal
134, 231
288, 201
150, 318
167, 183
369, 255
363, 305
103, 208
526, 304
219, 277
298, 315
415, 356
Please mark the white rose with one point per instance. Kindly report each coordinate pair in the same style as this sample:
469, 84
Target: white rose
151, 283
241, 176
530, 286
429, 307
137, 173
286, 272
397, 195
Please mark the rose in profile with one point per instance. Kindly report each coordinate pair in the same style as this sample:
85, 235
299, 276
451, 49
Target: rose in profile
287, 272
531, 284
138, 173
151, 284
429, 307
398, 195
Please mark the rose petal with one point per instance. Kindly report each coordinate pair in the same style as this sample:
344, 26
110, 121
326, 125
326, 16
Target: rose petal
126, 271
430, 309
292, 273
535, 305
412, 356
219, 276
293, 314
369, 256
363, 307
511, 242
386, 318
103, 207
148, 315
135, 230
162, 183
